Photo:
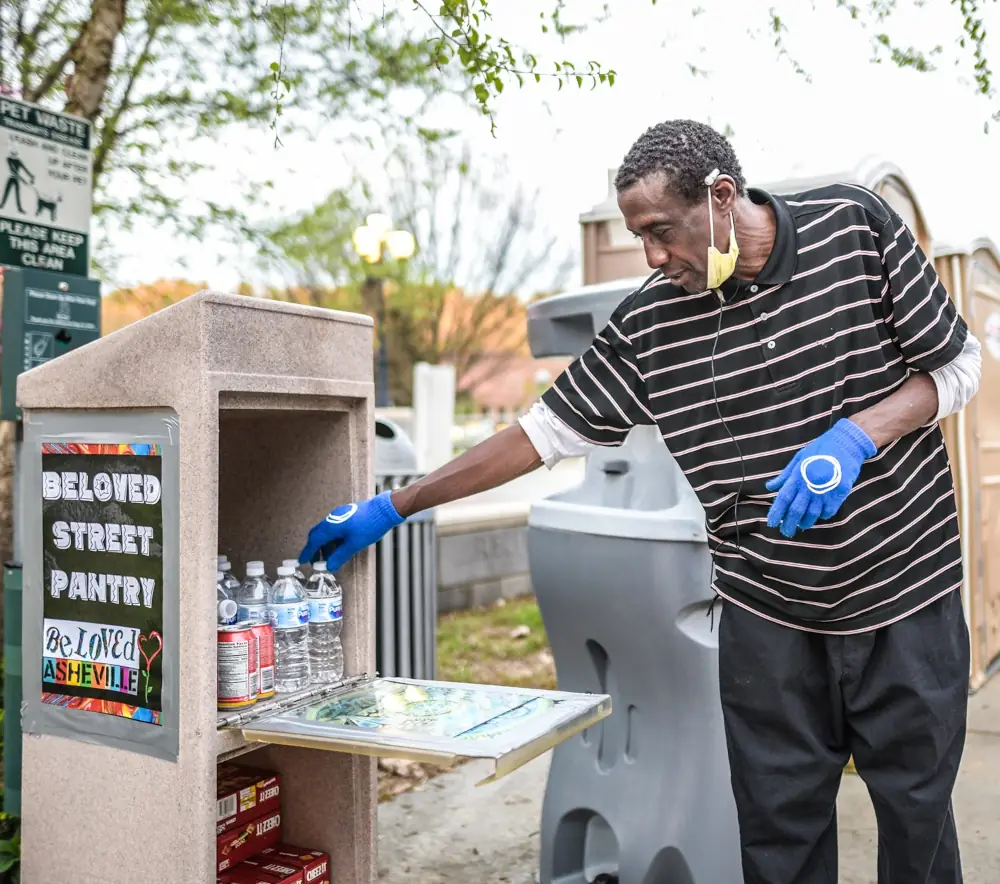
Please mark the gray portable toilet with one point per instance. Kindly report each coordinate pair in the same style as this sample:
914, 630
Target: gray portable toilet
622, 572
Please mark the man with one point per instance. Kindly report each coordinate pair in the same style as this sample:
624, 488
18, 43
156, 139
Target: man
797, 379
15, 181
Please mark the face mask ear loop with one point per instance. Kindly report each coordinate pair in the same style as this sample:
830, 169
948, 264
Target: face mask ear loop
711, 220
709, 181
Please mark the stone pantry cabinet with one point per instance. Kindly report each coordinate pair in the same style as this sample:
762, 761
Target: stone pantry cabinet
221, 423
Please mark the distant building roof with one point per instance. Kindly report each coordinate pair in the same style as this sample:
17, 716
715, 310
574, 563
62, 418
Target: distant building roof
981, 244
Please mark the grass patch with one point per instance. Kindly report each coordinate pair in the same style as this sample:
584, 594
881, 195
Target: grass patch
505, 645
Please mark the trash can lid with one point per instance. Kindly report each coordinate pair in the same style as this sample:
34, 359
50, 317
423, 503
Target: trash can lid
394, 452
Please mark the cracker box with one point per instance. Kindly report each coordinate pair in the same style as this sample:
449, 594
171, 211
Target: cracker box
315, 864
243, 794
259, 871
250, 838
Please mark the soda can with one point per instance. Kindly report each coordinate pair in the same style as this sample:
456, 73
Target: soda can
265, 655
238, 667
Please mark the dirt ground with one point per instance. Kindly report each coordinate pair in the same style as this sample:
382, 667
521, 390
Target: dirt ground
448, 831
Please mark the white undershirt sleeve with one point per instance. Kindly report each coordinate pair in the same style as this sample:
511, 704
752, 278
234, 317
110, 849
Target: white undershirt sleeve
956, 384
958, 381
552, 439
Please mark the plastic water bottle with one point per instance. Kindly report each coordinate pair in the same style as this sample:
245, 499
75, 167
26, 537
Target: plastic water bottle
326, 619
227, 607
229, 582
294, 565
288, 611
253, 594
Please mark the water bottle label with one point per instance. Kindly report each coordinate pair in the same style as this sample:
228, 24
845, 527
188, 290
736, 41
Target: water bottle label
289, 616
252, 613
325, 610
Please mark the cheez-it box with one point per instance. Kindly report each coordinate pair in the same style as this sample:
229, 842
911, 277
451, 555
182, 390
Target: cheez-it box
258, 871
236, 845
315, 864
243, 794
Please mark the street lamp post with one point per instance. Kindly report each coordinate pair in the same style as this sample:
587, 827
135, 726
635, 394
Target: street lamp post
373, 242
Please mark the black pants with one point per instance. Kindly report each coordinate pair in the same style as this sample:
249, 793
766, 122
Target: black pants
797, 705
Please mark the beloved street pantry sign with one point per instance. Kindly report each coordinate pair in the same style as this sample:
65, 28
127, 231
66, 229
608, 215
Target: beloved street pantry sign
45, 188
102, 545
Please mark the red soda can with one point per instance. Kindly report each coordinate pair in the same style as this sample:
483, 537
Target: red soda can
265, 655
238, 667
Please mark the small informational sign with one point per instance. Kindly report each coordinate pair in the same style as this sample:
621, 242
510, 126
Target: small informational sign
45, 188
102, 577
44, 315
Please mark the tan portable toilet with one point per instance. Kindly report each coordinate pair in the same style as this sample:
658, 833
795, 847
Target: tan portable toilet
972, 277
223, 424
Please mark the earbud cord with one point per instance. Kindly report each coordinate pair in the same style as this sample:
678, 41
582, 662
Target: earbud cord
743, 472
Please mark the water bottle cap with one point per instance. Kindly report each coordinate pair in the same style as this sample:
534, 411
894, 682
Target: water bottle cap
218, 576
286, 571
222, 560
255, 569
227, 609
290, 563
319, 566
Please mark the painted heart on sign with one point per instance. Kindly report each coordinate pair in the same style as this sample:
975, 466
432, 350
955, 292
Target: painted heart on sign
149, 658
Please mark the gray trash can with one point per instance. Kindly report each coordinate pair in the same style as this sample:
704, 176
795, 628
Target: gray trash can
621, 569
405, 569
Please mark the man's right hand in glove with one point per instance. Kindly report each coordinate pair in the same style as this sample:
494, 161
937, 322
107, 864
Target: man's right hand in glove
348, 530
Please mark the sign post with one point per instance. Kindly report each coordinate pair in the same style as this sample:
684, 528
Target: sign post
46, 180
49, 304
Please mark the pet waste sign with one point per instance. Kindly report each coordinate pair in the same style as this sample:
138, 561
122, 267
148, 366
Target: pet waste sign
45, 188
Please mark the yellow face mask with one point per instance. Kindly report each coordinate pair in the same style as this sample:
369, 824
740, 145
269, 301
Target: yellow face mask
720, 266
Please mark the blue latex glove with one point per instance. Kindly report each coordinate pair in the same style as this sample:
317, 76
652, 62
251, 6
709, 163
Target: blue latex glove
350, 529
817, 481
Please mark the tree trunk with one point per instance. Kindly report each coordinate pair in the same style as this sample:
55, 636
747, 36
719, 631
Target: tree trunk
92, 56
7, 430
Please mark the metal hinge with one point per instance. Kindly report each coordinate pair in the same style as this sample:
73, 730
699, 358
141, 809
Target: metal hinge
292, 701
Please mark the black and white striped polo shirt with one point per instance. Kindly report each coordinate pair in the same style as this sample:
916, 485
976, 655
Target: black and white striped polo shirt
846, 307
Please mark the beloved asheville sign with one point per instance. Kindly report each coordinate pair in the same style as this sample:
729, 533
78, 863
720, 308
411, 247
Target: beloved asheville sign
102, 547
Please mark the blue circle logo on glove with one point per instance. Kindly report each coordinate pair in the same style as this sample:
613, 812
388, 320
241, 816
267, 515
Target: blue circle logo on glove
831, 478
342, 514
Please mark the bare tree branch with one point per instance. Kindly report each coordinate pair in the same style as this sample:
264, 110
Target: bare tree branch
109, 129
53, 73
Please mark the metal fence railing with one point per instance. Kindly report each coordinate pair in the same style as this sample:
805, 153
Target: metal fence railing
406, 592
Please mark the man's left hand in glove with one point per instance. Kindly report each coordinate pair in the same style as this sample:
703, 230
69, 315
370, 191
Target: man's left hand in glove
818, 479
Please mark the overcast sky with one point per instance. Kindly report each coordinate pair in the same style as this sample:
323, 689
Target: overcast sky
931, 125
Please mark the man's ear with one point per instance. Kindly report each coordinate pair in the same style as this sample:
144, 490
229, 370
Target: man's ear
724, 193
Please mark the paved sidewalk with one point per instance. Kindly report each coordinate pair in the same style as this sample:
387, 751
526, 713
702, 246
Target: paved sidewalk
454, 833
